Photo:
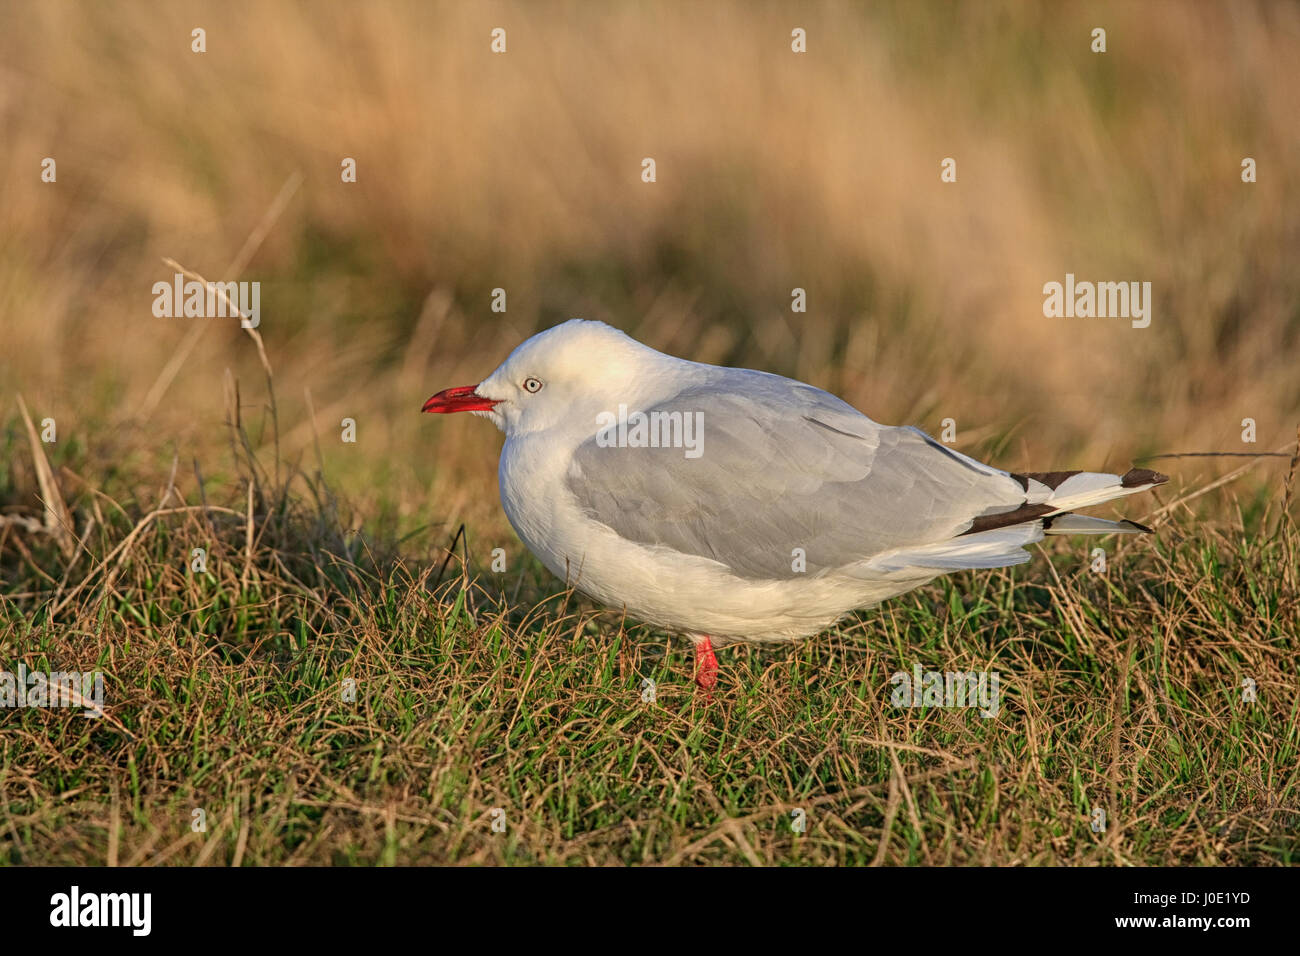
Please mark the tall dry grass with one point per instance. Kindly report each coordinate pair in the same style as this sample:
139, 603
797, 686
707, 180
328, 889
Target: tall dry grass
775, 170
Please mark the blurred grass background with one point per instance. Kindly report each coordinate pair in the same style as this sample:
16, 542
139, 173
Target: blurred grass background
775, 170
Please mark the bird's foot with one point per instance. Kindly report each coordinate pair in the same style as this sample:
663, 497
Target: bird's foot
706, 667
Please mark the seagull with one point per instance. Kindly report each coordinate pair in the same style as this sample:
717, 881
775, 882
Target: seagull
729, 504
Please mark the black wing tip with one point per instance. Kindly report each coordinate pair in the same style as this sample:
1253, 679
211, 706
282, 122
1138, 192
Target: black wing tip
1140, 527
1123, 524
1053, 479
1003, 519
1133, 478
1136, 477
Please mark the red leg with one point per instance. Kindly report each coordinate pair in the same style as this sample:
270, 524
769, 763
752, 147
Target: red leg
706, 666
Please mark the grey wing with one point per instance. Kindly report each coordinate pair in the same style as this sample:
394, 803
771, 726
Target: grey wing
783, 466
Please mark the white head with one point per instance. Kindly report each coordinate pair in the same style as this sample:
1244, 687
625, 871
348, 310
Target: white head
568, 373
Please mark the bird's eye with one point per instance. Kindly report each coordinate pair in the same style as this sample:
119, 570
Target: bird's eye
532, 385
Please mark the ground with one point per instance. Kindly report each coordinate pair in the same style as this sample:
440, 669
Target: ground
498, 719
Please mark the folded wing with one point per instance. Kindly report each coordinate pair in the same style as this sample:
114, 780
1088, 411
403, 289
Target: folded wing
783, 466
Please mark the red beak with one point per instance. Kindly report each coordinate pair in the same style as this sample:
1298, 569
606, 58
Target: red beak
461, 399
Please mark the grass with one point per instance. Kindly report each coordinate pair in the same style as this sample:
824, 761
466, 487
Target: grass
478, 692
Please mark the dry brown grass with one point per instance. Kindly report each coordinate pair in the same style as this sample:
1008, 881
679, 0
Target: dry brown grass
776, 171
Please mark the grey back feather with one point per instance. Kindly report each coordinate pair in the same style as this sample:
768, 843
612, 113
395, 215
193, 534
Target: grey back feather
782, 466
